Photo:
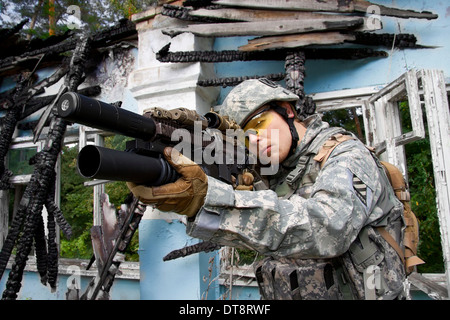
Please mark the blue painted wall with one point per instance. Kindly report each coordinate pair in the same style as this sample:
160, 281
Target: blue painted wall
183, 278
331, 75
335, 75
32, 288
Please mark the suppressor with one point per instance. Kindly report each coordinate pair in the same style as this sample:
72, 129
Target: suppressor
96, 162
77, 108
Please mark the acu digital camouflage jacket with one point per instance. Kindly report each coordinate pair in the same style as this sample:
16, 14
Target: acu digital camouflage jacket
320, 219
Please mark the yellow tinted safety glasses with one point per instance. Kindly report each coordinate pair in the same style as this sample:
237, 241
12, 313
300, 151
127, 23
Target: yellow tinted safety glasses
259, 122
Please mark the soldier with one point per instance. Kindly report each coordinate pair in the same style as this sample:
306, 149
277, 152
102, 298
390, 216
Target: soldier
318, 223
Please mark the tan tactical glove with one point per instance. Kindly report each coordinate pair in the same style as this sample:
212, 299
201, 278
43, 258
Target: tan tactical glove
184, 196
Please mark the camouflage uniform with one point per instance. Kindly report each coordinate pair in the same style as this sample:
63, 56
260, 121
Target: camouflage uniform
310, 221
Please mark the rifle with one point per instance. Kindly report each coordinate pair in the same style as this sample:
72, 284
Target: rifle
204, 139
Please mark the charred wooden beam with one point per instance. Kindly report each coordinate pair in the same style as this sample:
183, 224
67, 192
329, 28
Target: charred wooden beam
118, 32
19, 99
295, 76
197, 3
54, 214
41, 250
177, 12
53, 50
24, 53
37, 104
402, 40
5, 34
234, 81
204, 246
37, 190
295, 73
164, 55
17, 107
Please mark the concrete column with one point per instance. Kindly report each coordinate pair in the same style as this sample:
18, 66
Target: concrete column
170, 85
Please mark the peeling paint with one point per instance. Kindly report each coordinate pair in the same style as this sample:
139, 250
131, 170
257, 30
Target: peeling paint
113, 72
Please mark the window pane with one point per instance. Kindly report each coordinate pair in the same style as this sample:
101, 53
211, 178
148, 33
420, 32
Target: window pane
19, 160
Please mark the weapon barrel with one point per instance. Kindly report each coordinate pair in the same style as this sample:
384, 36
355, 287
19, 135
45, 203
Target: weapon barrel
77, 108
103, 163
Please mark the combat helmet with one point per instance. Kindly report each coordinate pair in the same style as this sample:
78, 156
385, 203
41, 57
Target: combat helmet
250, 95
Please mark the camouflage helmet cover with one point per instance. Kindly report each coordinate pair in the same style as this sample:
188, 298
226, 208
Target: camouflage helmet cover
250, 95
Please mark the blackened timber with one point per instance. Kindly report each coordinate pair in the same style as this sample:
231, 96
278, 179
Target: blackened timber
36, 192
295, 76
295, 72
51, 52
176, 12
234, 81
38, 103
52, 247
19, 99
197, 3
204, 246
17, 48
7, 33
118, 32
54, 48
217, 56
41, 250
401, 40
164, 55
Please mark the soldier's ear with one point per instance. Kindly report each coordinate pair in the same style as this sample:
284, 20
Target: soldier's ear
286, 105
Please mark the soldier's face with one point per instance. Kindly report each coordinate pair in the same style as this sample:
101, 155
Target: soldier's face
269, 137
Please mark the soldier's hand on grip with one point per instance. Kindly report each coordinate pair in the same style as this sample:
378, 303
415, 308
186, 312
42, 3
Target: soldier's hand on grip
184, 196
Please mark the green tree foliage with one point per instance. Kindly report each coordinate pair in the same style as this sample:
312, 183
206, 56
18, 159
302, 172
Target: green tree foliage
423, 196
77, 204
129, 7
349, 119
94, 15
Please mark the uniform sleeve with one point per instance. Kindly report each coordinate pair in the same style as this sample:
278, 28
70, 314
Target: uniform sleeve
343, 200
